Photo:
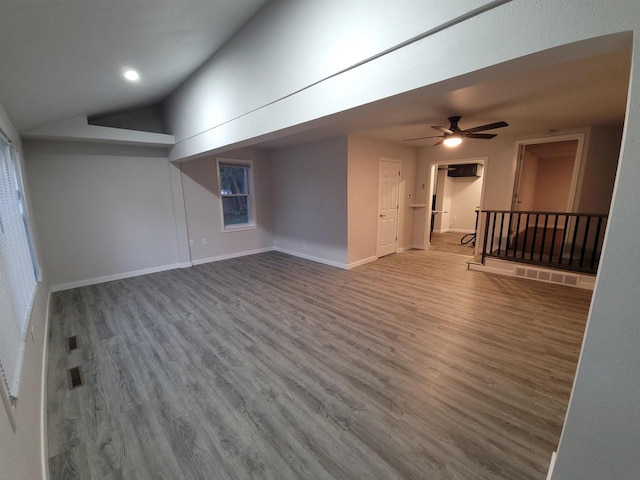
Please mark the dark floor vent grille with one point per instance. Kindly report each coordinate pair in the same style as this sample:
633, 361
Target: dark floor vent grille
75, 378
73, 343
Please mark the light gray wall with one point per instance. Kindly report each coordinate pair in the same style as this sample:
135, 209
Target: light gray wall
101, 210
203, 213
602, 430
287, 47
363, 177
21, 451
310, 199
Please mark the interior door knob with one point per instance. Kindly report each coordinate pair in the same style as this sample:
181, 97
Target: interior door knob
382, 216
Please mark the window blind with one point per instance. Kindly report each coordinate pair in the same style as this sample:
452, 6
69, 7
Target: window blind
17, 272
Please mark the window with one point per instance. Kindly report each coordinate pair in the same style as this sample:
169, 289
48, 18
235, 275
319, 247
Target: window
236, 185
17, 269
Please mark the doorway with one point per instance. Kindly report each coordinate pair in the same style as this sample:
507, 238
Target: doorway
547, 174
546, 181
455, 203
388, 191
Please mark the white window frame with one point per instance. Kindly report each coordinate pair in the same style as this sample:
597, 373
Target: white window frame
17, 300
251, 224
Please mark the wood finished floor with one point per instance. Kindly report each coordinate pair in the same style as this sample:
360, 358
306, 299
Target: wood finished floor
274, 367
449, 242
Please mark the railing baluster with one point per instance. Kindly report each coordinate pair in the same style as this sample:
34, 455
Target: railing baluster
493, 231
544, 234
571, 255
564, 239
517, 234
533, 240
526, 234
596, 243
584, 241
553, 238
501, 232
573, 241
486, 234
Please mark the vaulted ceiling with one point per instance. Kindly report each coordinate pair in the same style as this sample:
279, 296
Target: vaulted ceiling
59, 59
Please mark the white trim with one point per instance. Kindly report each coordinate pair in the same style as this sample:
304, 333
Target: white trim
117, 276
240, 227
552, 464
433, 178
402, 249
361, 262
576, 175
44, 444
227, 256
185, 265
324, 261
415, 246
251, 203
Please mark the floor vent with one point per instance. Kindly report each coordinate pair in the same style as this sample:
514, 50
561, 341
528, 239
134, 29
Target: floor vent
73, 343
75, 378
547, 276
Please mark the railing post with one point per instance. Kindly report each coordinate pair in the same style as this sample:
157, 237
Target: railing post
486, 235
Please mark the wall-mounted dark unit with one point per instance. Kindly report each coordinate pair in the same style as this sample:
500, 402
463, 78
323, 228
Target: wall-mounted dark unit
465, 170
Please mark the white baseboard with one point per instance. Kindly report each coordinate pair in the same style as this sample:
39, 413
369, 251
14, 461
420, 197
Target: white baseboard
110, 278
361, 262
228, 256
552, 465
44, 444
461, 230
418, 247
324, 261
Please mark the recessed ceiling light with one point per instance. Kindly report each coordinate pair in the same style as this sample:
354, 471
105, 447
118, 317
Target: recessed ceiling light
131, 75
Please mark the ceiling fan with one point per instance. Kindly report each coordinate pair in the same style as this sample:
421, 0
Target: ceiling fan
453, 135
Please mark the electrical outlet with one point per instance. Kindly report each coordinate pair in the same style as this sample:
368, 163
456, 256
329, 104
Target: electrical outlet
204, 242
192, 243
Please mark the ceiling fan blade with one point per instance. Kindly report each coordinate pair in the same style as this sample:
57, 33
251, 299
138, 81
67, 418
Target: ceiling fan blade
442, 129
485, 136
488, 126
436, 144
420, 138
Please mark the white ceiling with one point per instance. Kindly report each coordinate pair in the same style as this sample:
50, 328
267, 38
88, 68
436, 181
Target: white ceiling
563, 96
64, 58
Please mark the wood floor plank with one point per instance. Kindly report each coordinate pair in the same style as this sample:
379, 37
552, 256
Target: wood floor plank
274, 367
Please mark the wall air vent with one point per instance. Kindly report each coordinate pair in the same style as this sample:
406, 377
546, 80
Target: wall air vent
570, 279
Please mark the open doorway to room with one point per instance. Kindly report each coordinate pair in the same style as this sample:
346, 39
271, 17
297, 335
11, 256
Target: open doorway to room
456, 198
546, 180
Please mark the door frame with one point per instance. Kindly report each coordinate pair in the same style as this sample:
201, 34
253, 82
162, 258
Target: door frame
378, 233
433, 173
577, 165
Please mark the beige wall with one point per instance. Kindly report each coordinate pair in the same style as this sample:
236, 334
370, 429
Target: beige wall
363, 171
465, 198
553, 184
310, 200
443, 202
599, 170
528, 181
204, 215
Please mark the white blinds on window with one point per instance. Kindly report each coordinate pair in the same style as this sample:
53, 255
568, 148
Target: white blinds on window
17, 277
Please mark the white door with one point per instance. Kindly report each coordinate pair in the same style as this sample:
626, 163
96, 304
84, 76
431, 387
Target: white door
388, 207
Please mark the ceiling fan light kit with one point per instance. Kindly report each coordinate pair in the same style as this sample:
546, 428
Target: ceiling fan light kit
453, 136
